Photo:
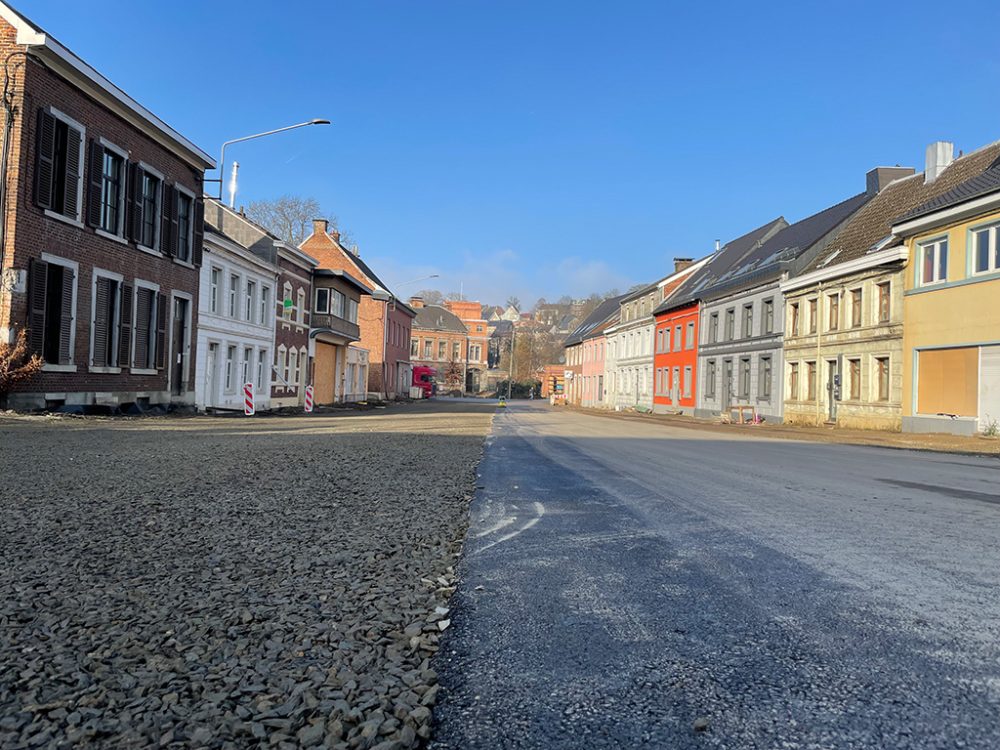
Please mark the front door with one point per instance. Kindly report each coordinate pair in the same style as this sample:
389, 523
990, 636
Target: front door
212, 375
178, 354
832, 388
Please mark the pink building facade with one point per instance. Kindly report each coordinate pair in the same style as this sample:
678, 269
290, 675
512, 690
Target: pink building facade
593, 391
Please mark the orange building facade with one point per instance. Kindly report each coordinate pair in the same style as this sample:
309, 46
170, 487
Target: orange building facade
675, 359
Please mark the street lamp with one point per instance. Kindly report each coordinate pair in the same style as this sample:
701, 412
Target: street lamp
222, 157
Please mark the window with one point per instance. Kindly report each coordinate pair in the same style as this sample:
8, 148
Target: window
51, 311
854, 371
764, 379
247, 364
744, 377
747, 321
730, 324
295, 369
428, 349
767, 317
59, 165
882, 373
811, 381
813, 321
352, 310
322, 301
475, 353
690, 336
710, 379
234, 290
337, 303
414, 347
884, 302
856, 301
250, 303
678, 341
149, 333
261, 359
111, 191
215, 278
793, 381
713, 328
230, 364
727, 376
286, 297
442, 349
106, 330
149, 209
833, 302
687, 381
300, 305
985, 250
265, 305
185, 225
933, 265
456, 351
794, 315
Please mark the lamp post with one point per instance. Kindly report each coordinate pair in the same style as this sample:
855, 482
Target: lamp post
222, 156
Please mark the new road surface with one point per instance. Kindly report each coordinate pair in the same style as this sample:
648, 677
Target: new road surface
629, 584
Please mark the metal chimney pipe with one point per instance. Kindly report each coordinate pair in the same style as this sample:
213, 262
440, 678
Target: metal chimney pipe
232, 185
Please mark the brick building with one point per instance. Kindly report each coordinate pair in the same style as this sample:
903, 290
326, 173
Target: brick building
440, 340
384, 320
102, 238
478, 346
337, 298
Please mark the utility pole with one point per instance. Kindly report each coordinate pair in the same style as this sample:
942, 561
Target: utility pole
510, 375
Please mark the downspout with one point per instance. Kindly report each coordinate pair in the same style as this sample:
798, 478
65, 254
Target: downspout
10, 112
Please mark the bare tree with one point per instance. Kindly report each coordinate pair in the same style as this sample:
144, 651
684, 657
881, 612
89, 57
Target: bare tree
290, 217
513, 301
453, 297
16, 365
430, 296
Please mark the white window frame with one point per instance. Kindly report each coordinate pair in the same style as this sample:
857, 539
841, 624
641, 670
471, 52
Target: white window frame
229, 369
119, 234
265, 305
154, 312
76, 221
214, 290
233, 296
993, 257
103, 274
250, 303
157, 220
75, 268
190, 254
325, 309
934, 243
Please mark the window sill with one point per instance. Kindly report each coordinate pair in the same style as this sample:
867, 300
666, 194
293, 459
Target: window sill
64, 219
185, 263
105, 370
149, 250
143, 371
58, 368
109, 236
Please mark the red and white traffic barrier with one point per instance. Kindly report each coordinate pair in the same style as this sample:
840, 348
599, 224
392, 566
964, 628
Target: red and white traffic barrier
248, 407
309, 399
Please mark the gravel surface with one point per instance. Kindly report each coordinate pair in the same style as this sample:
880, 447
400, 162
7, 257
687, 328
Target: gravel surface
275, 582
631, 585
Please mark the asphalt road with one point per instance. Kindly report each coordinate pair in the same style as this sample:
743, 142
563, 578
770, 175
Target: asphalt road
636, 585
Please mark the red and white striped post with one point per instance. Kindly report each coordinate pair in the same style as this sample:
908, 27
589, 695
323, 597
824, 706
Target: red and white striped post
248, 408
309, 399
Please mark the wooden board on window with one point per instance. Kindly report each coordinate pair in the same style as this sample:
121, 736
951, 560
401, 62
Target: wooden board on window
948, 381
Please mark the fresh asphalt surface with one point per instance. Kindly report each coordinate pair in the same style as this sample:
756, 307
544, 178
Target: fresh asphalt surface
623, 582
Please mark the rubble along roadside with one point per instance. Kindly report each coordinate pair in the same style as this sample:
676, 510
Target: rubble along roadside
281, 583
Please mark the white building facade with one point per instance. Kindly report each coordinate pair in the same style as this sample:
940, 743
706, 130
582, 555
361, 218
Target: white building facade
236, 304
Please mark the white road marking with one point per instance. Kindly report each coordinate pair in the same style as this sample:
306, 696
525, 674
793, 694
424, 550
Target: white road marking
539, 512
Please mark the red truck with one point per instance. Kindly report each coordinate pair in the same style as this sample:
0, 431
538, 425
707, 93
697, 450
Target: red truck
423, 378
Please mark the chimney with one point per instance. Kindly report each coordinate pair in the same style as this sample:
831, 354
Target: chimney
416, 302
718, 245
939, 155
355, 251
876, 179
681, 263
319, 226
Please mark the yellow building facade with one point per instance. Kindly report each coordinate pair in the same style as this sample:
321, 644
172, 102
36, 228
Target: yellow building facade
951, 305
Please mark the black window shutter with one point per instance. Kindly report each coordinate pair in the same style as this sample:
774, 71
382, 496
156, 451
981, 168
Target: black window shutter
95, 183
125, 327
168, 220
43, 164
143, 312
198, 231
101, 324
71, 195
134, 202
67, 321
38, 274
175, 199
161, 331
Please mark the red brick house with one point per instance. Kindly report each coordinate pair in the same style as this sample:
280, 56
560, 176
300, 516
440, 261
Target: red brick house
384, 320
103, 233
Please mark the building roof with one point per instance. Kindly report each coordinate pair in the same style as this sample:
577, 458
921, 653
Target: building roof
771, 258
343, 275
603, 313
720, 263
982, 184
870, 228
437, 318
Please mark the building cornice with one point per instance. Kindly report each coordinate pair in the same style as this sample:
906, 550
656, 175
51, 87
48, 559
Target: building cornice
882, 257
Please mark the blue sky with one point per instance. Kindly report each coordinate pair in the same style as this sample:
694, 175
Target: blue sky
550, 148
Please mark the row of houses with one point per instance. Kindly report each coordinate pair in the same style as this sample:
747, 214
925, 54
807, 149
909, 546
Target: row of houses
138, 290
878, 312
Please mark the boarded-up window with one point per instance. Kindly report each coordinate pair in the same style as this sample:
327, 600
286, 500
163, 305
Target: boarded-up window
948, 381
811, 381
793, 381
855, 368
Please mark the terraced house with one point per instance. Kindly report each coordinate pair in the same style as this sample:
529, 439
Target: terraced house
678, 321
951, 305
582, 376
102, 236
844, 339
742, 325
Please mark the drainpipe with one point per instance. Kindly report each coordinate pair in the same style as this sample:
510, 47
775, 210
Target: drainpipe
10, 112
